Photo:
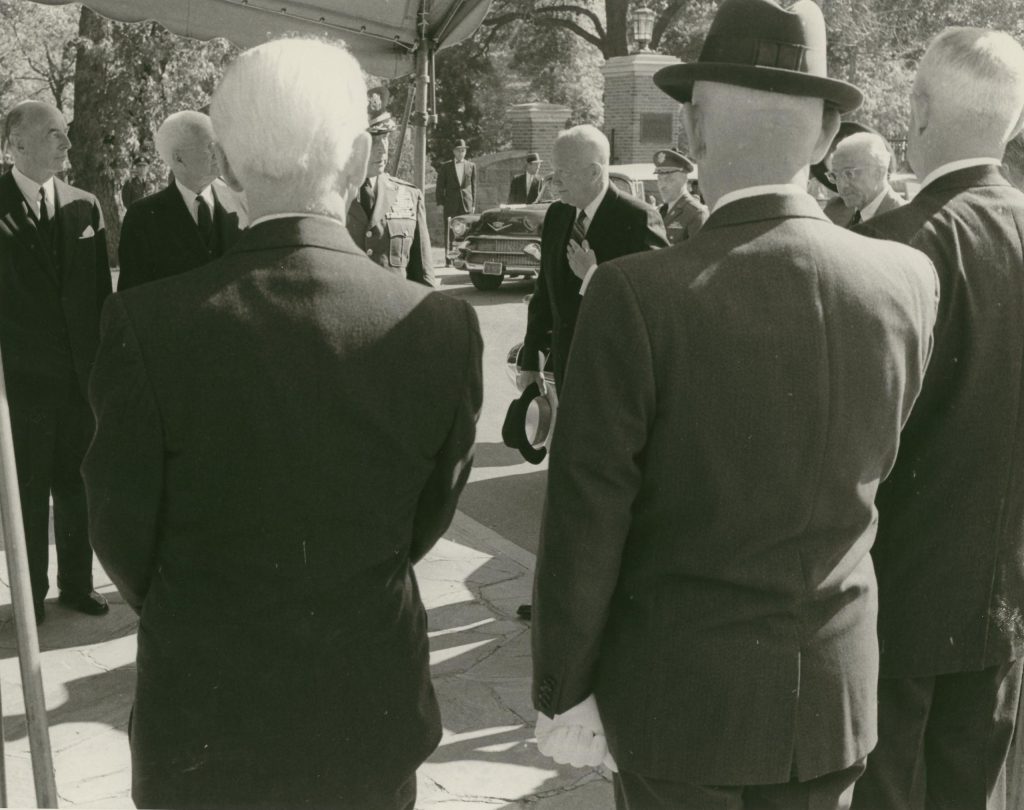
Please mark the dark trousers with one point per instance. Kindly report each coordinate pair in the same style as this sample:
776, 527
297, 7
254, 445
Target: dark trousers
50, 441
829, 792
943, 741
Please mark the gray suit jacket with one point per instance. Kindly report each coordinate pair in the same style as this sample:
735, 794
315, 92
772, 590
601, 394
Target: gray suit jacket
704, 561
950, 550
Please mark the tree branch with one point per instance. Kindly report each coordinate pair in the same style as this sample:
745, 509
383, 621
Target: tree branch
661, 25
543, 16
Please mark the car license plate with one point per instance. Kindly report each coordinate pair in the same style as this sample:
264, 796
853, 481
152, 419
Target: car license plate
493, 268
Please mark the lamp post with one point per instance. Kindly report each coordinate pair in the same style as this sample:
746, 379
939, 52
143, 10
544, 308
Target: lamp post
642, 24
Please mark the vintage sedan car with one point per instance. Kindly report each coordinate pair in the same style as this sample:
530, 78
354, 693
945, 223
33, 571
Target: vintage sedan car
504, 242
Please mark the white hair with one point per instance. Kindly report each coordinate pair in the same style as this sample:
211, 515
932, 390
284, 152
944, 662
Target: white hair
586, 143
979, 74
871, 144
178, 129
288, 111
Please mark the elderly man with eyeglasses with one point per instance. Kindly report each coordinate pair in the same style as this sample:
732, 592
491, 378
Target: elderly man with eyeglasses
860, 170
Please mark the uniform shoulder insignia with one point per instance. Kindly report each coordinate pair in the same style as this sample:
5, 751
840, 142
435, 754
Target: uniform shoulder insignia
400, 182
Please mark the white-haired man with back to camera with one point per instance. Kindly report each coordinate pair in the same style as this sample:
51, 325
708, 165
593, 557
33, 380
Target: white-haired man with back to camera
950, 549
276, 445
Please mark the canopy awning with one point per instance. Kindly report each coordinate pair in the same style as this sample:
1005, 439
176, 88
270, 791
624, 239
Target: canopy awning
381, 34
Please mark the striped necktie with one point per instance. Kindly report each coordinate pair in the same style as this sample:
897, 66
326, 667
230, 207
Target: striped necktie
579, 227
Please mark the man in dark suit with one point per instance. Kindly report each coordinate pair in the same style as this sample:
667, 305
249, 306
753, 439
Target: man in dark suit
950, 549
456, 188
860, 170
277, 442
525, 188
682, 213
388, 220
704, 596
183, 226
54, 277
594, 222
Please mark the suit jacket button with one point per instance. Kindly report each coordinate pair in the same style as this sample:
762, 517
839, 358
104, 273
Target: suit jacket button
369, 234
369, 251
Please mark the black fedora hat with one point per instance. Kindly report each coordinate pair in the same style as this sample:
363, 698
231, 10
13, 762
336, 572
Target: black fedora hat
846, 128
760, 45
513, 431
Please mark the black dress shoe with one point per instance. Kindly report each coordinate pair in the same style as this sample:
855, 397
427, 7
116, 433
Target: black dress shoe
525, 612
91, 603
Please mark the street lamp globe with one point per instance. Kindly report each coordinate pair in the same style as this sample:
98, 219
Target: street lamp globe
642, 23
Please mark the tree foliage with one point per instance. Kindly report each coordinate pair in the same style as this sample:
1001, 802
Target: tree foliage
128, 78
37, 53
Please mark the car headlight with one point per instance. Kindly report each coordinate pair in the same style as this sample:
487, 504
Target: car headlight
459, 228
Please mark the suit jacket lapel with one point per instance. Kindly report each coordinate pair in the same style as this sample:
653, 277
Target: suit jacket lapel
17, 216
181, 222
603, 223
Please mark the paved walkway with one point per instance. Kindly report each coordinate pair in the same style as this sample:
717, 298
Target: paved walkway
472, 583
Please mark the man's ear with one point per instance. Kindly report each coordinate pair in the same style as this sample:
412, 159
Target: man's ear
353, 173
919, 110
226, 172
829, 127
694, 126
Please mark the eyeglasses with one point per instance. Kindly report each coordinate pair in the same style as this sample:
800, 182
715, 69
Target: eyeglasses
849, 175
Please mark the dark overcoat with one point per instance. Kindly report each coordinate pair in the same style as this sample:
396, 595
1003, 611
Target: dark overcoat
278, 441
455, 197
622, 225
950, 549
159, 238
704, 563
51, 293
521, 194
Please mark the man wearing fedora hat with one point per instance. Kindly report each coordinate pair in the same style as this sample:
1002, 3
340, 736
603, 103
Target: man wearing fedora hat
704, 602
680, 211
456, 188
950, 550
525, 188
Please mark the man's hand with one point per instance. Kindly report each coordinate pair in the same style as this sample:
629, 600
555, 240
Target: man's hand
575, 737
524, 378
581, 258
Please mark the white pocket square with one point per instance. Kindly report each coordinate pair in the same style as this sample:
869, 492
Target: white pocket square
87, 232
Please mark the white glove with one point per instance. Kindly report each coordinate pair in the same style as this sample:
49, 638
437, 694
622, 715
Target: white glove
575, 737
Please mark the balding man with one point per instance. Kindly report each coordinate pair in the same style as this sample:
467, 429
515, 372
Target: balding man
54, 278
593, 222
185, 225
704, 604
277, 442
860, 170
950, 548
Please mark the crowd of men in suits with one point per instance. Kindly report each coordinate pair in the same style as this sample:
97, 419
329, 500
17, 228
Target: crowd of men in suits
782, 555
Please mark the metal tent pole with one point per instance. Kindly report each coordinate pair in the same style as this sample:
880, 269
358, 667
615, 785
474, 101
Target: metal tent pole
12, 534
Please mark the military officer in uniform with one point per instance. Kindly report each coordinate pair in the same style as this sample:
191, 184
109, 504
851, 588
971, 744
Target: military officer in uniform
388, 220
682, 213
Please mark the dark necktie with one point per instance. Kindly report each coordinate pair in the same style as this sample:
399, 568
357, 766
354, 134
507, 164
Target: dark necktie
579, 227
366, 197
856, 218
205, 221
44, 211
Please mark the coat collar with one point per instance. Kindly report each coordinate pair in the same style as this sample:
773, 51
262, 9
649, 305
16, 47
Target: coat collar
296, 231
972, 176
765, 206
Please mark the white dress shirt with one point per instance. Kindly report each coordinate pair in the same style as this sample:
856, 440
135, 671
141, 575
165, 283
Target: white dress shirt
460, 169
590, 209
871, 208
29, 189
189, 196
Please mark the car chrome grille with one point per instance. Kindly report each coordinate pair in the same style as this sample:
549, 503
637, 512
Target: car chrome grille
509, 251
